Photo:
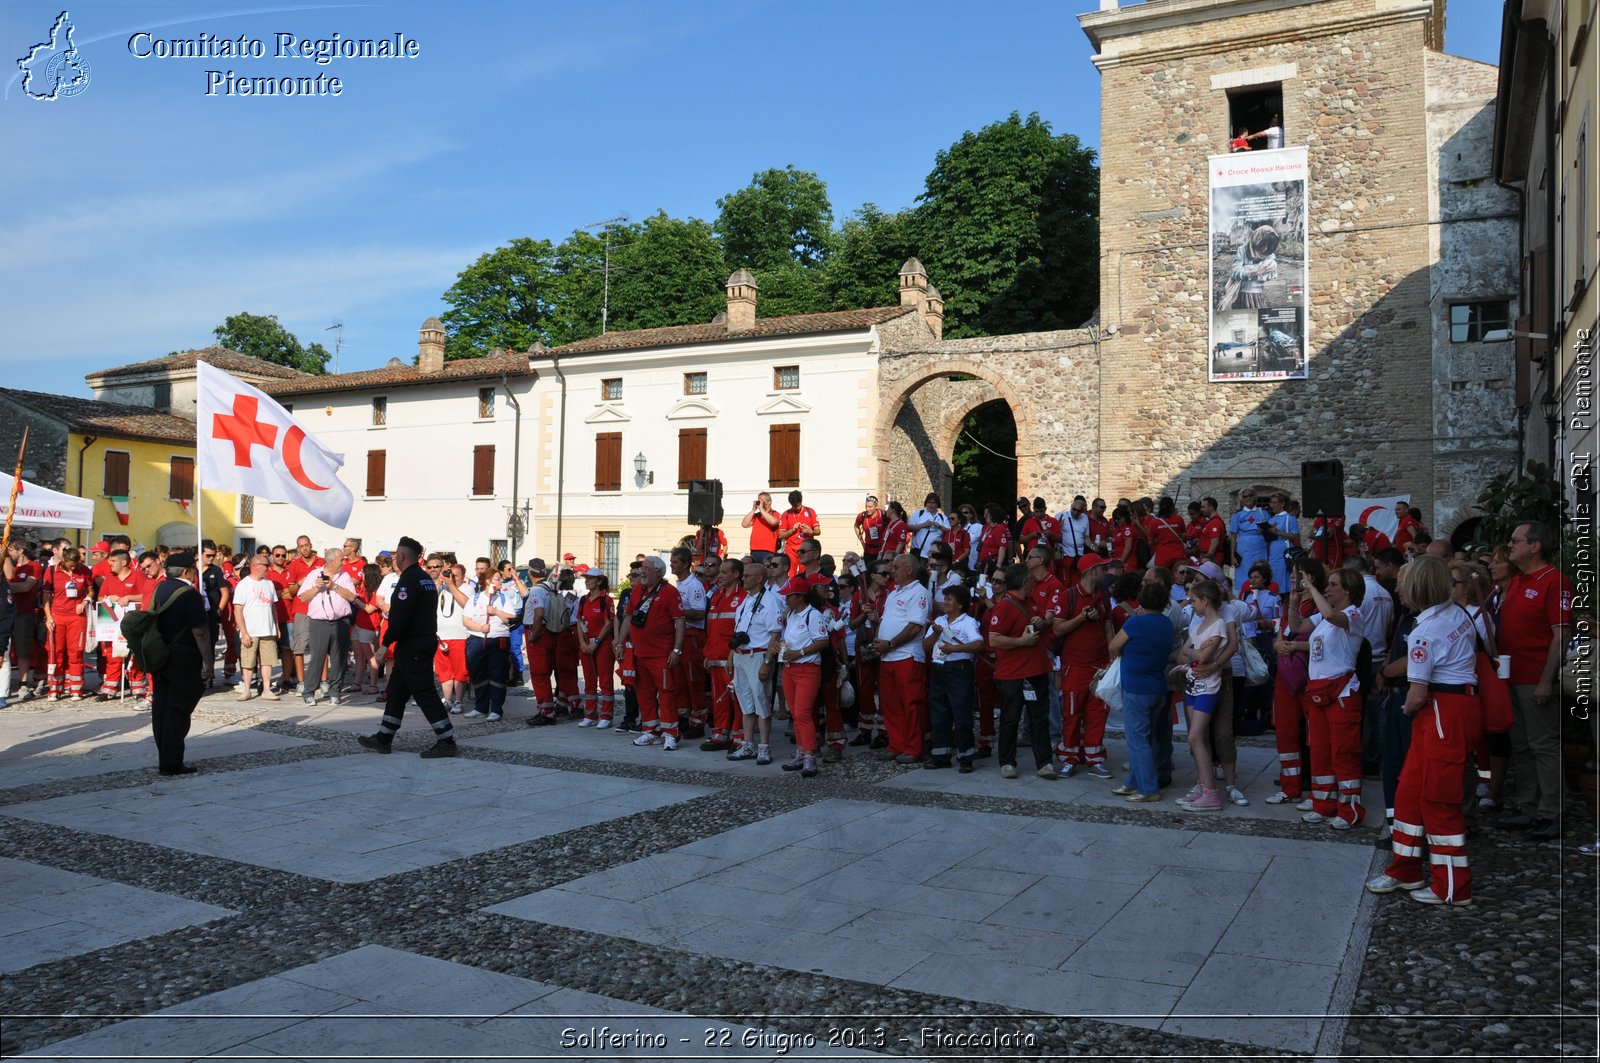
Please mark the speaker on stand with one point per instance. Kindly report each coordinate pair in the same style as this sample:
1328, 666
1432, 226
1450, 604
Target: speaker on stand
1321, 488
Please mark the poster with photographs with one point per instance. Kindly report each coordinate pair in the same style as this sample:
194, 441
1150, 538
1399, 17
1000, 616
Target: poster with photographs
1258, 266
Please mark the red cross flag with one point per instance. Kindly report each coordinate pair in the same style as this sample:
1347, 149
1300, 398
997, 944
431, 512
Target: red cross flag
247, 443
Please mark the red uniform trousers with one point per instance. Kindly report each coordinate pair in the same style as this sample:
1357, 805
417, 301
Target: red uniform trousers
541, 647
111, 668
230, 643
870, 719
903, 697
66, 655
566, 668
599, 681
692, 667
660, 692
1083, 717
1334, 732
801, 684
1289, 727
1427, 802
988, 702
726, 719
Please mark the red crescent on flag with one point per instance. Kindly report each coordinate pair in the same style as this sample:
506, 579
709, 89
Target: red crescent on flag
291, 458
1365, 513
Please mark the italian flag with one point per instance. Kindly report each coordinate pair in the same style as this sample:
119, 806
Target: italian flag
120, 504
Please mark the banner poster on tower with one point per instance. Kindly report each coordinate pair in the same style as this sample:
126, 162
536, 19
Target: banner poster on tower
1258, 266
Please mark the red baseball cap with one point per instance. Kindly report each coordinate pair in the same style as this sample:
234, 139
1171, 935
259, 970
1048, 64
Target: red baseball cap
103, 547
798, 585
1089, 561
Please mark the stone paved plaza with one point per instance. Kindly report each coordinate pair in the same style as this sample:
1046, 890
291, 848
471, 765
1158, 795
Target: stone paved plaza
558, 893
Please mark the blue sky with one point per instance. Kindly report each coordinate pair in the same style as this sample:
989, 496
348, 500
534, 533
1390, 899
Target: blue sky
141, 212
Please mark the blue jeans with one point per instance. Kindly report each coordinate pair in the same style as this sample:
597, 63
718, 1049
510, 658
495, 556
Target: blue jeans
1139, 712
952, 701
488, 661
518, 647
1394, 739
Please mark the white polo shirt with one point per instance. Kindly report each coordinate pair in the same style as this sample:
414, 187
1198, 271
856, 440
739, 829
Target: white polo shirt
692, 593
1377, 609
1334, 649
759, 615
904, 607
801, 630
1442, 647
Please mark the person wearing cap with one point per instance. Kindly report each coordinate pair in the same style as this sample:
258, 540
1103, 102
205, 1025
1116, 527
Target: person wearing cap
805, 636
869, 529
593, 620
183, 625
414, 635
541, 643
1248, 544
656, 629
1084, 628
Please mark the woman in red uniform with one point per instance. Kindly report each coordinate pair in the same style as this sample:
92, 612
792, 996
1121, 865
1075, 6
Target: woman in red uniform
994, 546
1333, 700
726, 597
866, 609
1447, 721
1288, 689
69, 588
897, 532
596, 650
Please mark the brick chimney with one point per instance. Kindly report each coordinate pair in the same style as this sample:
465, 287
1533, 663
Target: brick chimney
430, 347
933, 312
913, 284
741, 301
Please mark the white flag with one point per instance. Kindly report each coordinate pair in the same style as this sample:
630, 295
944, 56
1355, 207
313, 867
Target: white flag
1374, 513
247, 443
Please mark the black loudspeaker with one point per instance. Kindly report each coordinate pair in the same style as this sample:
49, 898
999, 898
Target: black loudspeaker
705, 502
1322, 488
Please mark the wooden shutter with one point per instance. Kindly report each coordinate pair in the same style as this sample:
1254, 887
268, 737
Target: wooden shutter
1539, 296
691, 456
116, 474
608, 461
181, 482
377, 472
783, 455
483, 469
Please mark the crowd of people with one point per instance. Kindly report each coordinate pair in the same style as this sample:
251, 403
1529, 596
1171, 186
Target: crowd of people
937, 638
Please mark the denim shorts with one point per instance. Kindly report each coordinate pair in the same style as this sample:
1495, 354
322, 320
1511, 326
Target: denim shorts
1206, 703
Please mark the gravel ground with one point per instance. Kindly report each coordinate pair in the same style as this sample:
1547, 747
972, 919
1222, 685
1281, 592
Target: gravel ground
1513, 975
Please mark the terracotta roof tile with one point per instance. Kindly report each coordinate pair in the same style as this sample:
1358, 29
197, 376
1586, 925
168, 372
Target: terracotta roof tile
494, 365
717, 331
91, 416
221, 357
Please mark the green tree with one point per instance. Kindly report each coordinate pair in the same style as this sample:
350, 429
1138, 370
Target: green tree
782, 216
504, 299
671, 273
261, 336
864, 267
1008, 228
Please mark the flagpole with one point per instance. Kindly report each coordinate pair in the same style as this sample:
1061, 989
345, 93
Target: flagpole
16, 486
199, 500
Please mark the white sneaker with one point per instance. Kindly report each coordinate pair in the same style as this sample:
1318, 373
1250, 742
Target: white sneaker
473, 715
669, 743
1279, 798
602, 725
1306, 805
1385, 884
1340, 824
647, 739
1313, 817
493, 716
586, 722
1237, 796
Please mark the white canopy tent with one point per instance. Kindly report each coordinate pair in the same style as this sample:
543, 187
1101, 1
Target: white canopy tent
40, 507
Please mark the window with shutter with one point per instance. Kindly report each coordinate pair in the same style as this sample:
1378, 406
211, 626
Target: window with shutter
247, 509
377, 472
116, 474
180, 484
483, 470
783, 455
608, 461
691, 456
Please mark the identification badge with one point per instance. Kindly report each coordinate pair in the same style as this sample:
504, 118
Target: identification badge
1316, 649
1029, 694
72, 590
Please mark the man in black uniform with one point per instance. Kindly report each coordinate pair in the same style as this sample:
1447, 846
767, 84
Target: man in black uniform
184, 628
213, 586
414, 635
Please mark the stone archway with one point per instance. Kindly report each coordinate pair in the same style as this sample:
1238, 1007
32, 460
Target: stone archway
920, 416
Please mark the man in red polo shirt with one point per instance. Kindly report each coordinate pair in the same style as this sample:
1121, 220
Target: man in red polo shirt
25, 579
763, 524
1022, 673
1535, 622
304, 563
1409, 525
123, 586
797, 525
1039, 526
656, 627
694, 599
726, 598
869, 529
1369, 541
1212, 533
1084, 627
